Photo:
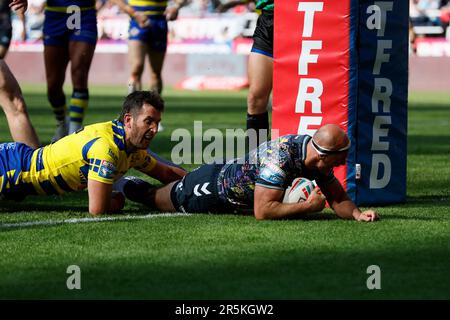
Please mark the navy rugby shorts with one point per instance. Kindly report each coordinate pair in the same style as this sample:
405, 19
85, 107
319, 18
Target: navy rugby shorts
197, 192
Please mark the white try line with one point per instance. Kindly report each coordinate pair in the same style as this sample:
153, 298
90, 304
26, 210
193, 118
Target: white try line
84, 220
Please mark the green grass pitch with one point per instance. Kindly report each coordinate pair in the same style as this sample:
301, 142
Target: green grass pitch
232, 257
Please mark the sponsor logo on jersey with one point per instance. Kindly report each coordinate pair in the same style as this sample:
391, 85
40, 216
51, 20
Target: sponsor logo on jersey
107, 170
112, 155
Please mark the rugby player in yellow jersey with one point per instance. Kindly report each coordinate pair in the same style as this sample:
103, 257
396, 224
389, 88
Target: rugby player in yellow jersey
91, 158
148, 35
70, 35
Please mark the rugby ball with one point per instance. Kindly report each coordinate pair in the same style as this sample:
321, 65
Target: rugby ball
300, 190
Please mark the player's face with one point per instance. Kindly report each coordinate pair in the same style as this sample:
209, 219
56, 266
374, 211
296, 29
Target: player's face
330, 161
144, 127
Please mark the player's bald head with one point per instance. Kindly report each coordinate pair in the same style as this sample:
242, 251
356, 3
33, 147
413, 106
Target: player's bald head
332, 138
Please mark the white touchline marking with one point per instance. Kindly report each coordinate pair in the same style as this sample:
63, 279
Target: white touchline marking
83, 220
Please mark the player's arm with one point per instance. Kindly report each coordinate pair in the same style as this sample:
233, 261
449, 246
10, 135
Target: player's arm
140, 17
344, 207
268, 204
270, 186
166, 173
103, 167
101, 198
172, 10
19, 5
157, 167
21, 16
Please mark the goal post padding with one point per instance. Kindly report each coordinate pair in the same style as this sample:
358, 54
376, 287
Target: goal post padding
346, 62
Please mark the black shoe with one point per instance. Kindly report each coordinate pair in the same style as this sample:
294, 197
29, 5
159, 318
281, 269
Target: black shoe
134, 189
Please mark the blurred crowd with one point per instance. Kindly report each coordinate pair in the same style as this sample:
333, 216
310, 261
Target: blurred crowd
428, 17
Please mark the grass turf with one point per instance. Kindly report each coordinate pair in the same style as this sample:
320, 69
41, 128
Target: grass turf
233, 257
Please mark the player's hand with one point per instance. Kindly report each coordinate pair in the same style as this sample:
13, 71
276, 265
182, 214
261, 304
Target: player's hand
19, 5
142, 19
368, 216
171, 13
316, 200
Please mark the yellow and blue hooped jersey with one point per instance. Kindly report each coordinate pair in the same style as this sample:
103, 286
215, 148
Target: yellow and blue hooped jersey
62, 5
97, 152
149, 7
57, 31
154, 35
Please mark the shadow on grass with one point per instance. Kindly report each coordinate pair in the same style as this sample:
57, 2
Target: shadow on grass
428, 145
243, 272
13, 207
437, 200
383, 217
62, 205
422, 107
409, 218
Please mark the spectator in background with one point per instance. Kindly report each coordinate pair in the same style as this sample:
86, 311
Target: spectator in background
445, 14
105, 11
199, 8
35, 19
6, 26
106, 8
424, 12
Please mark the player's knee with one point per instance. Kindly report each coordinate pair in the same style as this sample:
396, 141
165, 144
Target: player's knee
257, 102
20, 107
16, 108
